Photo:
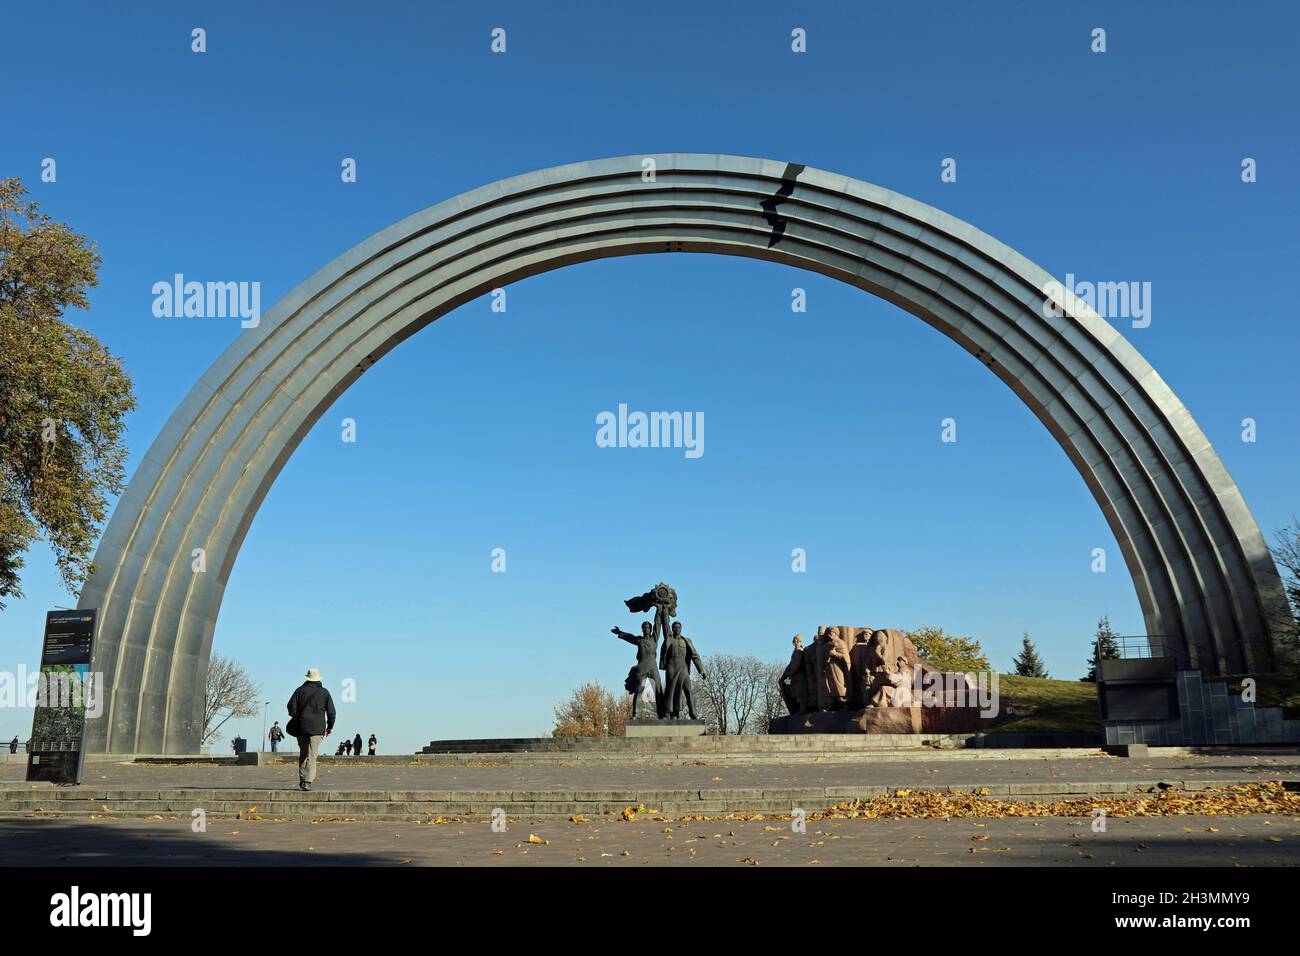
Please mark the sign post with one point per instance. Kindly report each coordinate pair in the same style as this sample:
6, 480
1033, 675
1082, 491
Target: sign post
56, 752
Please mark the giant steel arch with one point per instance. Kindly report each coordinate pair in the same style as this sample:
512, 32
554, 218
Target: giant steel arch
1203, 574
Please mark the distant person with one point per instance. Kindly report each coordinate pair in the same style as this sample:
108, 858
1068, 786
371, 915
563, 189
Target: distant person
339, 752
277, 734
347, 748
13, 745
374, 742
311, 720
356, 746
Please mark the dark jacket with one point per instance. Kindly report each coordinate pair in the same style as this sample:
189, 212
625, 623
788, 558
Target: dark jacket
314, 707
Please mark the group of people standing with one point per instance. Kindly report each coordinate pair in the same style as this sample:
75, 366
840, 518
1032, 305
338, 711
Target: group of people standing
352, 748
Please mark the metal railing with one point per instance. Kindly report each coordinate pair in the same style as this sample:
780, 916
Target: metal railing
1137, 646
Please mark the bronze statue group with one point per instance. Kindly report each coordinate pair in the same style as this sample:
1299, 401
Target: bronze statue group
675, 658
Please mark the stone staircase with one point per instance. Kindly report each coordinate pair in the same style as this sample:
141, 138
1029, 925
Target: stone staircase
755, 749
753, 743
44, 800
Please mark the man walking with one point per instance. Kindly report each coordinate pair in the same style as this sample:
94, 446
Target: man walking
276, 735
311, 720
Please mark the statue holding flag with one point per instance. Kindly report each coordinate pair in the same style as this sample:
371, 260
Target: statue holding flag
664, 601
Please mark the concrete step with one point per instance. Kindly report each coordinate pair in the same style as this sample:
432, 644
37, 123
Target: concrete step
769, 743
669, 758
41, 801
749, 742
658, 756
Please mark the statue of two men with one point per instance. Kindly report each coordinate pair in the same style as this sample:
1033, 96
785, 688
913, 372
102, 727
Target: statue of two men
676, 657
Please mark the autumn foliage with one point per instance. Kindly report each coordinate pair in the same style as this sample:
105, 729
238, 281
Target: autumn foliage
592, 711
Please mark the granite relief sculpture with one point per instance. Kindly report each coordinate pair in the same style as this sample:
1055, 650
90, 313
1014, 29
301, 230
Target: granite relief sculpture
863, 680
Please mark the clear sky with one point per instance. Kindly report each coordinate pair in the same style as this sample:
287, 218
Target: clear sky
372, 560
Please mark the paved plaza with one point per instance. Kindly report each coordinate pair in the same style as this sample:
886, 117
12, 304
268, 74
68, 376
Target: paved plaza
937, 771
1050, 841
168, 839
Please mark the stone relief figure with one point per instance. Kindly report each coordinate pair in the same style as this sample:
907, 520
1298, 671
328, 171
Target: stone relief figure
860, 667
831, 659
794, 685
644, 667
676, 659
875, 670
900, 682
810, 673
876, 683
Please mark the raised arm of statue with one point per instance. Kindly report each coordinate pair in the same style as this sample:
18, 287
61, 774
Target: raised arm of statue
625, 636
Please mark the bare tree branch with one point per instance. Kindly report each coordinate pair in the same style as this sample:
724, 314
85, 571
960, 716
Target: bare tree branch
229, 689
734, 698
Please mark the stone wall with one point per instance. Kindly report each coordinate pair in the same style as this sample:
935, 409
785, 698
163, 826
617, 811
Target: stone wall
1209, 712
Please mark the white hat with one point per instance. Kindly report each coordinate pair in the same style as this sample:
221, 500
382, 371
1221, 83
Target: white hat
313, 673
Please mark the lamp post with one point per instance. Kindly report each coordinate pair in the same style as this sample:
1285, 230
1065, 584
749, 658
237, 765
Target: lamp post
265, 705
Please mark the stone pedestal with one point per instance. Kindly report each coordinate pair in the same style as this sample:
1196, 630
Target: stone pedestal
643, 727
259, 758
884, 720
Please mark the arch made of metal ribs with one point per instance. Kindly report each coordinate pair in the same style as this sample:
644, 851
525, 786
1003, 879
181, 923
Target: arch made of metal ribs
1203, 574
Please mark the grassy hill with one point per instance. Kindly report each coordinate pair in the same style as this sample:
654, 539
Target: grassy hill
1043, 705
1272, 690
1065, 706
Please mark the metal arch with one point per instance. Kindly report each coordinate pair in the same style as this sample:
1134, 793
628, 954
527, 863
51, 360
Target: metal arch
1199, 563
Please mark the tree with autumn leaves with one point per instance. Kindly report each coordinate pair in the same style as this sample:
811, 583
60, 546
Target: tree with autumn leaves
63, 397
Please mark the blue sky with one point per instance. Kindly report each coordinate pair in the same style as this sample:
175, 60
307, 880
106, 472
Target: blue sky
372, 560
